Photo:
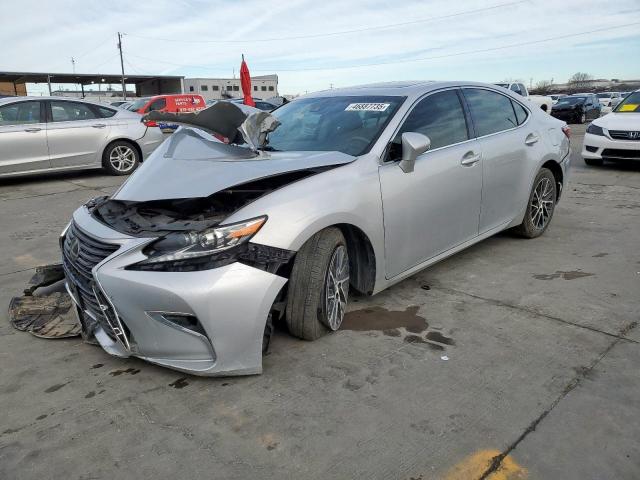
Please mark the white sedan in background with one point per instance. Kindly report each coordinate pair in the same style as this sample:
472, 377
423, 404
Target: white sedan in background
615, 136
40, 134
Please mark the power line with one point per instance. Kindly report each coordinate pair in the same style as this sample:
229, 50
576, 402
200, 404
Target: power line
103, 63
420, 59
468, 52
342, 32
94, 48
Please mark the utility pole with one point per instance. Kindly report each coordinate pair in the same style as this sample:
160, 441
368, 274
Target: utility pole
124, 88
73, 64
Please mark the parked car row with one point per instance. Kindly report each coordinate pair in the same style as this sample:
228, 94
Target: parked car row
577, 108
53, 133
616, 136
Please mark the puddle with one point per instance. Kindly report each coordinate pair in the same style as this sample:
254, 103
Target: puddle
572, 275
417, 339
379, 318
179, 383
438, 337
54, 388
130, 371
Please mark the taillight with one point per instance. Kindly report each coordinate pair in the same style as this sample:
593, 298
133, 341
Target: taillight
150, 123
567, 131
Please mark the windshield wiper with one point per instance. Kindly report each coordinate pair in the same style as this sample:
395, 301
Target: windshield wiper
268, 148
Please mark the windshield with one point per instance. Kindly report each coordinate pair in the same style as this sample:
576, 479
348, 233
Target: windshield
349, 124
604, 95
630, 104
571, 100
138, 104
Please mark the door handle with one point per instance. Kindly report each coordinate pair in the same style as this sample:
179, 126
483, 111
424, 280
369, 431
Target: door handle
531, 139
470, 158
99, 125
32, 129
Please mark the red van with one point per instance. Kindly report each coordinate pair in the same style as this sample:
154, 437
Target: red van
178, 103
168, 103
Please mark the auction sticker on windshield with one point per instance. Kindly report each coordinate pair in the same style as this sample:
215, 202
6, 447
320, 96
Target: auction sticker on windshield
367, 107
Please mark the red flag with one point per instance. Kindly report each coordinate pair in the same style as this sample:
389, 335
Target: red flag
245, 81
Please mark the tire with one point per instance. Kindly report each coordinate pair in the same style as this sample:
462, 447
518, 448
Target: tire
310, 311
120, 158
593, 162
539, 212
582, 118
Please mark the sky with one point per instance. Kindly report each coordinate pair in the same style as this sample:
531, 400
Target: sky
318, 44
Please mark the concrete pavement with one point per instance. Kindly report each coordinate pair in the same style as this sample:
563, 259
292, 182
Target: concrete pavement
518, 359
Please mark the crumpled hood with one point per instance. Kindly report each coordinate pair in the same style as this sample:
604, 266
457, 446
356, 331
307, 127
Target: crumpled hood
190, 165
619, 121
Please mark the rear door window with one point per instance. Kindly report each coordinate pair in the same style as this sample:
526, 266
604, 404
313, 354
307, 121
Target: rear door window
20, 113
71, 111
440, 117
491, 111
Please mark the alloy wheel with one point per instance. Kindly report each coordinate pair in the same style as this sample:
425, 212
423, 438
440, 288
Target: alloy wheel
542, 203
122, 158
337, 287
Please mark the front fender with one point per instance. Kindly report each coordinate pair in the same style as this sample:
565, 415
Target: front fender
349, 194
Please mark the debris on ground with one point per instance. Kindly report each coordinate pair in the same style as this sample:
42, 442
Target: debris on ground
48, 315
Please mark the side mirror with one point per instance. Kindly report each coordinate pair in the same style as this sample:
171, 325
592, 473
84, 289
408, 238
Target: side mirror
413, 145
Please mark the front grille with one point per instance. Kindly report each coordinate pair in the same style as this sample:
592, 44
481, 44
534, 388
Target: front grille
624, 135
80, 253
617, 153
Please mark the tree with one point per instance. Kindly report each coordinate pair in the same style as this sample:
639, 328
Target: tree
543, 87
580, 81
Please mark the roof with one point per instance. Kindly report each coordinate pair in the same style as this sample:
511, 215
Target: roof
399, 88
84, 78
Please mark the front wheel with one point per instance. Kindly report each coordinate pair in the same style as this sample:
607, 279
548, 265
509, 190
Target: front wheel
318, 286
540, 207
120, 158
582, 118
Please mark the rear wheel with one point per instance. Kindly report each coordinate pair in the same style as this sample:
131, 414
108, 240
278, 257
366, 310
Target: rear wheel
120, 158
582, 118
541, 205
318, 286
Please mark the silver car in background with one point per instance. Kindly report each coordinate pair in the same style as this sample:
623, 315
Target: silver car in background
189, 263
40, 134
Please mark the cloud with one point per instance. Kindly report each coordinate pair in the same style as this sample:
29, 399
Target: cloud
47, 38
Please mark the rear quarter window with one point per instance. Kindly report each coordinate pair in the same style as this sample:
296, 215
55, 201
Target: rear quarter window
106, 112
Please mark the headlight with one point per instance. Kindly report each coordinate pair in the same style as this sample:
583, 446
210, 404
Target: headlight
186, 245
595, 130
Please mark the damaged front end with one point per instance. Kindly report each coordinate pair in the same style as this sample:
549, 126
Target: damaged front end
157, 272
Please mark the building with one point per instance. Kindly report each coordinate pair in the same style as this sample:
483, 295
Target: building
11, 89
262, 87
95, 95
14, 83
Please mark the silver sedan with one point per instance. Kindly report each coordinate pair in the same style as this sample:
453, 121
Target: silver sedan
347, 190
40, 134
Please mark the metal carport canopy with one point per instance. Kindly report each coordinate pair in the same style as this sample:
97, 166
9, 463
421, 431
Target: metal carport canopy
84, 78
